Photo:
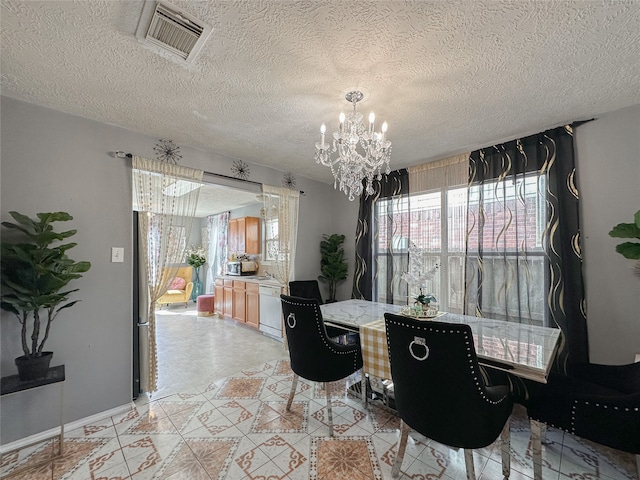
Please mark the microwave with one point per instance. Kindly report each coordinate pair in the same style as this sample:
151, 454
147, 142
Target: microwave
242, 268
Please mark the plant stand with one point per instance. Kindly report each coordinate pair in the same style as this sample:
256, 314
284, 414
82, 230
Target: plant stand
12, 385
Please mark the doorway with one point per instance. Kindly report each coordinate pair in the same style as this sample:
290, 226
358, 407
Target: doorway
186, 353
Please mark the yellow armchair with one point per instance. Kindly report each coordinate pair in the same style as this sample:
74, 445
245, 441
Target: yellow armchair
177, 295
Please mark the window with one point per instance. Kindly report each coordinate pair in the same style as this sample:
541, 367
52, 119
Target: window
506, 252
508, 245
434, 222
271, 239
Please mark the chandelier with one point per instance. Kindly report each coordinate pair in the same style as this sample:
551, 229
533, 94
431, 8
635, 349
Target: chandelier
352, 165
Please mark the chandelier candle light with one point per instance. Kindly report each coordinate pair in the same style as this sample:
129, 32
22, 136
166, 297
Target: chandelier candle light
351, 166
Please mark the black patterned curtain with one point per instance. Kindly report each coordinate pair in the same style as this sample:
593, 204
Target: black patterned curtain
523, 258
380, 258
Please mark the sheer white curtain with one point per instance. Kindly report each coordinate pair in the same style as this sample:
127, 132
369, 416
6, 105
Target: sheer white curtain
218, 230
281, 204
166, 196
437, 195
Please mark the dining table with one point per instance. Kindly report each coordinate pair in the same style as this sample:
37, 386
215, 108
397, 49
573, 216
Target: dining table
520, 349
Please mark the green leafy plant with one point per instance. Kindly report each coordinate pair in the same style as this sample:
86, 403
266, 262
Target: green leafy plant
35, 273
196, 256
424, 299
332, 263
629, 250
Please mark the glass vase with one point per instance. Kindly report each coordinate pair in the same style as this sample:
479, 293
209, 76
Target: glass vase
197, 285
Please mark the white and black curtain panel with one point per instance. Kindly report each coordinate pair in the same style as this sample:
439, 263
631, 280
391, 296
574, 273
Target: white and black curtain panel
379, 263
523, 254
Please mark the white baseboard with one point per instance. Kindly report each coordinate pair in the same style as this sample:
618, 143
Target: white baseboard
637, 357
17, 444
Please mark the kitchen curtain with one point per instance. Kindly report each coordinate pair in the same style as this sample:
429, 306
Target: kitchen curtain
523, 257
166, 196
379, 263
281, 219
217, 233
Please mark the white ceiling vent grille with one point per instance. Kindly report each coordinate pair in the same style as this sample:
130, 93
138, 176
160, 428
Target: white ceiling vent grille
165, 26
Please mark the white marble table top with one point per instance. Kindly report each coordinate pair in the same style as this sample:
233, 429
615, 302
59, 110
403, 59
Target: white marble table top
521, 349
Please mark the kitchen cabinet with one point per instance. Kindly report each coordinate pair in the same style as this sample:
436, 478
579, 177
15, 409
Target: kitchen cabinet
239, 301
218, 301
244, 235
228, 298
252, 305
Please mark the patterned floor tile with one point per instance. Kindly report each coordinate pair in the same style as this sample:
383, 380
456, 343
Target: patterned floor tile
263, 370
28, 457
279, 388
238, 387
273, 417
214, 454
282, 367
342, 458
238, 428
260, 461
84, 454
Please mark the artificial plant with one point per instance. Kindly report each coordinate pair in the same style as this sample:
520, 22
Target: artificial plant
629, 250
332, 263
35, 272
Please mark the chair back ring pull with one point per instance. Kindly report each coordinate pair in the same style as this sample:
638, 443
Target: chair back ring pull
291, 320
419, 341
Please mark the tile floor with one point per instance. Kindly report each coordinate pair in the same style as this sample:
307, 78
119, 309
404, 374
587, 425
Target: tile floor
236, 427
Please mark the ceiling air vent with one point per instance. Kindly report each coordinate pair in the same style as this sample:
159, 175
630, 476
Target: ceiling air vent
166, 26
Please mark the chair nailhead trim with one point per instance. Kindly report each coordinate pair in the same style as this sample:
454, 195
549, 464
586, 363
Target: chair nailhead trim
468, 343
353, 351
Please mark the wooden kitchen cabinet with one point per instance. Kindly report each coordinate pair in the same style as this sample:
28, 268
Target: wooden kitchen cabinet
244, 235
228, 298
218, 300
253, 305
239, 301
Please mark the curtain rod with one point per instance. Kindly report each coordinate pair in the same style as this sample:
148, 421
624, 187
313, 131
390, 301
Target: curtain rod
121, 154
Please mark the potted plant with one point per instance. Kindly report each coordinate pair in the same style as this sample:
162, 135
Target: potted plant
424, 300
332, 263
35, 273
196, 257
630, 250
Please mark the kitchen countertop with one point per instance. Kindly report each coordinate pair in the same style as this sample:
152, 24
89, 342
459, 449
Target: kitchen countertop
252, 279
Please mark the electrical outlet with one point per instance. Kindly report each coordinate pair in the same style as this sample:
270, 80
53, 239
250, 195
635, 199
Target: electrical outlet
117, 254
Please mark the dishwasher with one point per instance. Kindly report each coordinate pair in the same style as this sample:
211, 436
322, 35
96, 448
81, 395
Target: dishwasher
270, 310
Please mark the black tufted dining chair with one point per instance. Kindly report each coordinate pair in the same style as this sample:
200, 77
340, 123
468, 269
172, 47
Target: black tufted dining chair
440, 392
314, 356
305, 289
311, 289
598, 402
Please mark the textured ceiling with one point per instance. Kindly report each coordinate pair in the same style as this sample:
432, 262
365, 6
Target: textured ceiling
447, 76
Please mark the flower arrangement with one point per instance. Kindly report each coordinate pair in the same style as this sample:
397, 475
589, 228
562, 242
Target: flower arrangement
196, 256
424, 299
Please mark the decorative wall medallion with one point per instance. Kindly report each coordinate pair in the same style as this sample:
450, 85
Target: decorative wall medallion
289, 181
240, 170
167, 151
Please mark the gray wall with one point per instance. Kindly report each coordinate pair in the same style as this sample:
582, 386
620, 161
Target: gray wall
608, 165
54, 161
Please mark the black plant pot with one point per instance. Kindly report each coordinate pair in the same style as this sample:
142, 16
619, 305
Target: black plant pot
33, 368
